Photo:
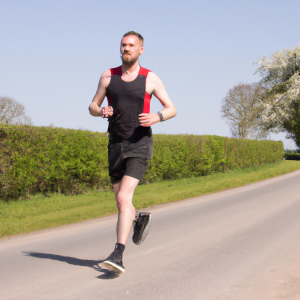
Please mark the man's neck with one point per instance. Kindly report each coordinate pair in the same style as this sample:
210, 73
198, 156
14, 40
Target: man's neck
129, 69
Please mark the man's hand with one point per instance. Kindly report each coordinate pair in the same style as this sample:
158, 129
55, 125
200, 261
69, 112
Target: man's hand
147, 120
106, 111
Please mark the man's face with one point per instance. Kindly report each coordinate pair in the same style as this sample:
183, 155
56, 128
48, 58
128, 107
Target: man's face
131, 49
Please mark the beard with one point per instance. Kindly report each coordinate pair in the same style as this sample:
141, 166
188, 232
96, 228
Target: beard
128, 60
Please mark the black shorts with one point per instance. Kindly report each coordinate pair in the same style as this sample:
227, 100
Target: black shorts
126, 158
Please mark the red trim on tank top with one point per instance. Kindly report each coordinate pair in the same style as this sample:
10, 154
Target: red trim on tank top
116, 71
147, 97
147, 100
144, 71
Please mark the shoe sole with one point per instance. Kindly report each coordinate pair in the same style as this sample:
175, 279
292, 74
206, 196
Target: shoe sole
114, 267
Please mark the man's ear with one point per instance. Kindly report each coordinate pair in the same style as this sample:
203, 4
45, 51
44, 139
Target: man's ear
141, 50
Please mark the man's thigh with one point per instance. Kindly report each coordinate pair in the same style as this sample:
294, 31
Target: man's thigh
127, 186
135, 169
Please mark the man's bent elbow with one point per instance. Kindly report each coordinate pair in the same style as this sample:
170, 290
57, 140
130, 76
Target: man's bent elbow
92, 111
89, 108
174, 112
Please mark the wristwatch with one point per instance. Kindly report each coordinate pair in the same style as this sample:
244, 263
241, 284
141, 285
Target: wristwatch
160, 116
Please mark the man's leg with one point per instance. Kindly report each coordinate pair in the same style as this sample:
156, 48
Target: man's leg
116, 188
123, 193
126, 211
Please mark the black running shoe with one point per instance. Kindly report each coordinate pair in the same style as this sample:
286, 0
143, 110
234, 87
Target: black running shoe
114, 262
141, 227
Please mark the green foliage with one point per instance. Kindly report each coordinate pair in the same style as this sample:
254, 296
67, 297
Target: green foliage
246, 153
45, 160
179, 156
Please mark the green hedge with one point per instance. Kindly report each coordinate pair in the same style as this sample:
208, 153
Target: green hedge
178, 156
244, 153
43, 159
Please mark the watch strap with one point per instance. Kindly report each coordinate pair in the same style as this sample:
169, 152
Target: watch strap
160, 116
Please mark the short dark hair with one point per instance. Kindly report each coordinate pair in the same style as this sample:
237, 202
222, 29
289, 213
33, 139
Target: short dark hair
136, 34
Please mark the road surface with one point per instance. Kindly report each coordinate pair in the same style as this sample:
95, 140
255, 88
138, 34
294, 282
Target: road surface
239, 244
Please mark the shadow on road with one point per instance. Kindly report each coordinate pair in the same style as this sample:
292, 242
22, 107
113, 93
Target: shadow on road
95, 264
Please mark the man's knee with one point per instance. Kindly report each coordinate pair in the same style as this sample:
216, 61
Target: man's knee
123, 200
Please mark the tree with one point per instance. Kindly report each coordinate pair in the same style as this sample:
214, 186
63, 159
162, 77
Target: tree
241, 107
281, 104
13, 112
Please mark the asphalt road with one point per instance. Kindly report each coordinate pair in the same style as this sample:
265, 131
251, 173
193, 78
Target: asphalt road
238, 244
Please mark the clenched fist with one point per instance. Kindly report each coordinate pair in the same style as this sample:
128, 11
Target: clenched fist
106, 111
147, 120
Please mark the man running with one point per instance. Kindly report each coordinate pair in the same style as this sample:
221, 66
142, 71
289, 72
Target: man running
128, 89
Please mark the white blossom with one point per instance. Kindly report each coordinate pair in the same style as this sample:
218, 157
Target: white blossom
281, 76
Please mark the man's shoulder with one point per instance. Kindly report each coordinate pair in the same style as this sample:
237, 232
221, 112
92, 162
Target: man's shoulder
152, 76
106, 73
105, 78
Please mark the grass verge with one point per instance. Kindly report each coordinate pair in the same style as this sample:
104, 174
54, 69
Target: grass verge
39, 212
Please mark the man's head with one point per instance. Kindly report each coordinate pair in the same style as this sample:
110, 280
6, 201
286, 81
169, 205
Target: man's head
131, 47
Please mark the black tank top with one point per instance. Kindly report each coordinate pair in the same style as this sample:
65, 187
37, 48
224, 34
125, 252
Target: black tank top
128, 99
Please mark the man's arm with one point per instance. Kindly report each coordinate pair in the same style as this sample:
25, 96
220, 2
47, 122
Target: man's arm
155, 86
94, 108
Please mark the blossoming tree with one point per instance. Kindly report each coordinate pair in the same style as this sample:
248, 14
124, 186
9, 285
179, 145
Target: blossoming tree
281, 104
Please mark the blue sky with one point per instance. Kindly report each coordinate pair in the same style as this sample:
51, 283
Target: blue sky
53, 53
